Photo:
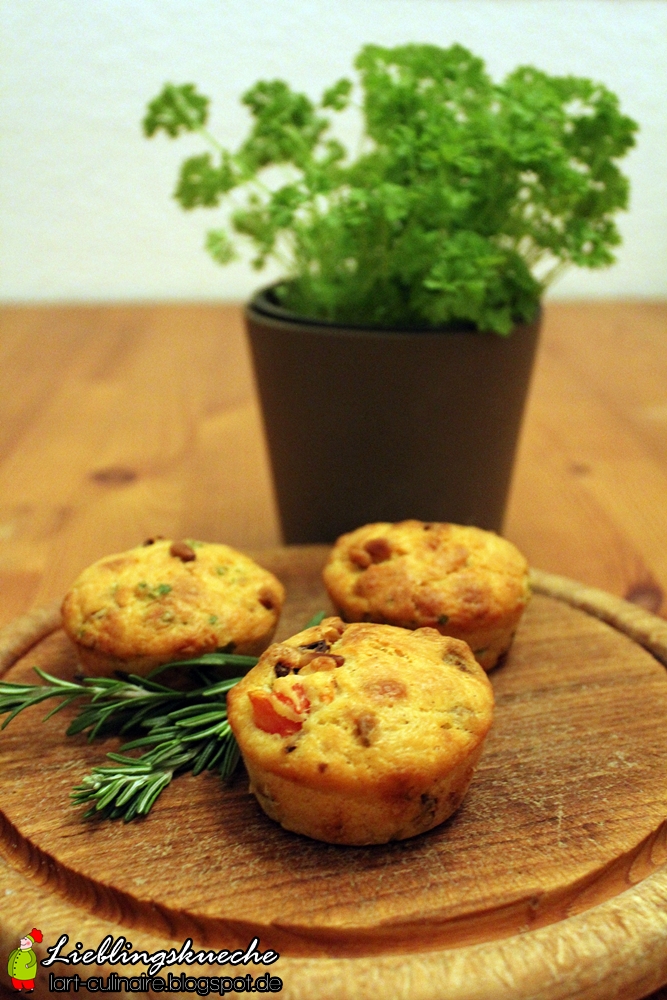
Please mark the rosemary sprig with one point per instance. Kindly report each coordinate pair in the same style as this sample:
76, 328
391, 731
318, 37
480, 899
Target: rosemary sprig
193, 737
127, 699
185, 730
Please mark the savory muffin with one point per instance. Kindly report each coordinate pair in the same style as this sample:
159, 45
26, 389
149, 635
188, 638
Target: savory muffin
362, 733
462, 581
166, 601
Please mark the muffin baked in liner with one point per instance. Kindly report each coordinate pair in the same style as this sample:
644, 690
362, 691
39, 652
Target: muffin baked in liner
167, 600
362, 733
463, 581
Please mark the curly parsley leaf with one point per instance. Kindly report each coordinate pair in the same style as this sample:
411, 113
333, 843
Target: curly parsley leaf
202, 183
176, 110
220, 246
338, 96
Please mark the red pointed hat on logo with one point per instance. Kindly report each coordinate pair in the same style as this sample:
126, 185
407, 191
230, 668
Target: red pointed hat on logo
36, 935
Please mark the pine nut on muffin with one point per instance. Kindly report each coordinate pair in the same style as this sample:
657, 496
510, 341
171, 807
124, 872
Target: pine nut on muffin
168, 600
463, 581
362, 733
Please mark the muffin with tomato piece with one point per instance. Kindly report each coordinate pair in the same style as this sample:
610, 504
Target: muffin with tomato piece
362, 733
170, 600
463, 581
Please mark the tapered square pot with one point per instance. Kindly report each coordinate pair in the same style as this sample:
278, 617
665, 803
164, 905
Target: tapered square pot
380, 425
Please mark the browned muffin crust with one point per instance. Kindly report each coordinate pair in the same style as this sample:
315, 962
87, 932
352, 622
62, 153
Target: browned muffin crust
170, 600
465, 582
362, 733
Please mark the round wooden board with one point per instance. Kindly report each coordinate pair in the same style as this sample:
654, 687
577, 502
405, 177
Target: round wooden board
549, 882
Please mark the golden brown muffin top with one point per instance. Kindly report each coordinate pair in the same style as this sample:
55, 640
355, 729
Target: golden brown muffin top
354, 707
177, 599
417, 573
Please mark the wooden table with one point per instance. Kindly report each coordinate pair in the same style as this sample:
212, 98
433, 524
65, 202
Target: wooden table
122, 422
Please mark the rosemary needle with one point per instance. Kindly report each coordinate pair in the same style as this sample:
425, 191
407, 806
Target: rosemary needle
316, 620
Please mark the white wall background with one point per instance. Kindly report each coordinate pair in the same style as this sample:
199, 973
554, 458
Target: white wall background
85, 206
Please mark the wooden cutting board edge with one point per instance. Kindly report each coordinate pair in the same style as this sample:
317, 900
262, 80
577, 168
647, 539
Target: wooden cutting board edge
617, 949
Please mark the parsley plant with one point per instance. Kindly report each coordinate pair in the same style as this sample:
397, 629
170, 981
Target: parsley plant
466, 199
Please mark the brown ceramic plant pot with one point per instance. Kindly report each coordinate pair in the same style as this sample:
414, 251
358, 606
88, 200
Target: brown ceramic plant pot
380, 425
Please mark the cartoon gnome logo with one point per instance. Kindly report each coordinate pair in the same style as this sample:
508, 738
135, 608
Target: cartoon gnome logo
22, 963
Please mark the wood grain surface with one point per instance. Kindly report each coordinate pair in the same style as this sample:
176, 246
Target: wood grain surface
121, 422
549, 882
118, 422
